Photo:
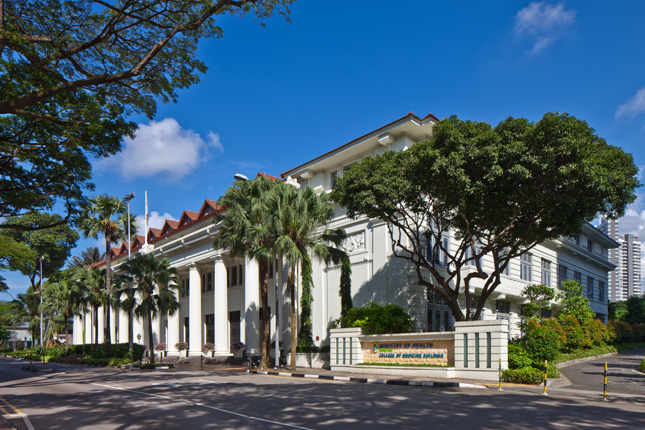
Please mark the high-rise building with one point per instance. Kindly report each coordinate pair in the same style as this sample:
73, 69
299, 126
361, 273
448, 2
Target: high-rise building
625, 281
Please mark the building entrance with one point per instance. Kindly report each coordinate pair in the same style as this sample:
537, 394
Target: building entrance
234, 323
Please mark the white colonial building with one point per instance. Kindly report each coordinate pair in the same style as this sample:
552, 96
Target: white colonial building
221, 303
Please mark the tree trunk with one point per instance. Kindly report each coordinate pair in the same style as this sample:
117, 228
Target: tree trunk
292, 305
96, 325
130, 330
266, 320
108, 269
152, 351
66, 338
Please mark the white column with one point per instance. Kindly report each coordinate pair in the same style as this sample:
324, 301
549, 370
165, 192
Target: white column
195, 312
252, 306
101, 312
222, 343
173, 331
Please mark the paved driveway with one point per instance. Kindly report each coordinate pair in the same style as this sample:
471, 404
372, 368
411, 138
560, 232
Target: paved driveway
621, 376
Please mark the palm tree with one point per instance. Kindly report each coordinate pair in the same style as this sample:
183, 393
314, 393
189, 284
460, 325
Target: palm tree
300, 219
155, 281
90, 256
90, 291
106, 215
124, 287
245, 229
58, 302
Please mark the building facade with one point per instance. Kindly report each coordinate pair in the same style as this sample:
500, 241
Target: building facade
221, 303
625, 280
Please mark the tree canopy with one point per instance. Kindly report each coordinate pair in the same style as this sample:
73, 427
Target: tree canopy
501, 191
55, 244
71, 73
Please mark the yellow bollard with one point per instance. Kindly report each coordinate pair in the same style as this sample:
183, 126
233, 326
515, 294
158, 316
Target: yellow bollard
545, 368
500, 375
604, 389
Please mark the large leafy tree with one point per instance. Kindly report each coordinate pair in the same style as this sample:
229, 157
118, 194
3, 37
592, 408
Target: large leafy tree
156, 283
107, 216
300, 220
500, 191
245, 229
55, 244
30, 305
72, 71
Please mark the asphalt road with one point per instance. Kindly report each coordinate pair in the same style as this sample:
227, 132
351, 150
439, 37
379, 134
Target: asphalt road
101, 398
622, 377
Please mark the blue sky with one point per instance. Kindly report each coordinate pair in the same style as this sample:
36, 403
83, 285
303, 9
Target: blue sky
278, 96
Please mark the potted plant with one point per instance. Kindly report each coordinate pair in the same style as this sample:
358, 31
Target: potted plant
208, 349
161, 347
238, 349
182, 347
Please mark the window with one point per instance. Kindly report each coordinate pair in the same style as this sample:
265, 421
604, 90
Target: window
503, 306
525, 267
474, 300
576, 239
270, 269
203, 281
469, 254
346, 168
433, 296
577, 276
589, 245
562, 275
333, 179
546, 272
545, 313
241, 279
228, 277
589, 287
434, 254
601, 291
209, 281
233, 276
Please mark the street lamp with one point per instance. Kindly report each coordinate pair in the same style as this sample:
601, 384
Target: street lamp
127, 199
40, 291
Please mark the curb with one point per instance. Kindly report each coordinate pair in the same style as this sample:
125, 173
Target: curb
370, 381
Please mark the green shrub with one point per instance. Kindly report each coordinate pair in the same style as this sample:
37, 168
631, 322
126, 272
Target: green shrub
544, 340
598, 334
302, 349
375, 319
643, 365
525, 375
518, 357
576, 336
638, 332
325, 349
104, 350
622, 331
105, 361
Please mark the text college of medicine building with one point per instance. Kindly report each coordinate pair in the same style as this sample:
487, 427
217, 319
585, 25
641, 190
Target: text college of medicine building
221, 299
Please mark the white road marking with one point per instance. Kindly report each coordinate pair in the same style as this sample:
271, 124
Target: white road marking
202, 405
210, 382
27, 422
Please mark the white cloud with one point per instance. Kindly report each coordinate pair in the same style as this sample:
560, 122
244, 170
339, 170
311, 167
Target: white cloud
545, 22
155, 220
162, 147
634, 105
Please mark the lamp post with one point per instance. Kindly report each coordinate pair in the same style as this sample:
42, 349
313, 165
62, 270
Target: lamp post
139, 343
127, 199
40, 291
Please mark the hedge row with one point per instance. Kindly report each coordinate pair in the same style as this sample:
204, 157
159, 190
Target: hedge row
106, 361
